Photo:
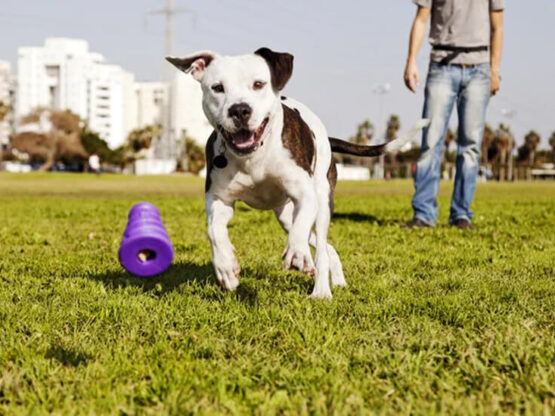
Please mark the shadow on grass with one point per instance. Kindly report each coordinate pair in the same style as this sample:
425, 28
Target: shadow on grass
168, 281
365, 218
177, 275
355, 217
66, 357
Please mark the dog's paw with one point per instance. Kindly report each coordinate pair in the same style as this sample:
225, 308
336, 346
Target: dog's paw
321, 293
337, 278
299, 259
228, 274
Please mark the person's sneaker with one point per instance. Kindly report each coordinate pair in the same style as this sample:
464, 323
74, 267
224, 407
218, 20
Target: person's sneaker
416, 223
463, 224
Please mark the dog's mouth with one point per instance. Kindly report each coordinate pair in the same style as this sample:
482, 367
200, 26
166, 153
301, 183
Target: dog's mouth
244, 141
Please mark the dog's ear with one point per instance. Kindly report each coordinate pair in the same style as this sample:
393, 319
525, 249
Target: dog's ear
194, 64
281, 66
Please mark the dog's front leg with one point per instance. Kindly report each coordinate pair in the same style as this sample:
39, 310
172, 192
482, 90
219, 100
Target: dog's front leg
297, 253
223, 258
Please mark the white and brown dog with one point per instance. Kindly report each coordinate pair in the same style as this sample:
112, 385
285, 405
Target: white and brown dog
270, 152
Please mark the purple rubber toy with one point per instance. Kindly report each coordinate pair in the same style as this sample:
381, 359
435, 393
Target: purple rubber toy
145, 249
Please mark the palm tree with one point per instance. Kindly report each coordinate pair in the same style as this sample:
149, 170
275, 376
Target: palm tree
552, 144
487, 140
393, 126
365, 131
527, 152
363, 136
140, 139
504, 143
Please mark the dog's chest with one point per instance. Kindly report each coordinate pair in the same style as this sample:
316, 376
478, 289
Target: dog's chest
264, 193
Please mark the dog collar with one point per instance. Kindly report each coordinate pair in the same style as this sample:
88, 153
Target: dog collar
220, 161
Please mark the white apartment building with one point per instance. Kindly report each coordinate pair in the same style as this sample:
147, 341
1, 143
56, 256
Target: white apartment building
149, 103
64, 74
7, 91
187, 116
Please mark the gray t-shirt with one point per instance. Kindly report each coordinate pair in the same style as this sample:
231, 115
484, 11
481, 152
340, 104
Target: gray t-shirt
461, 23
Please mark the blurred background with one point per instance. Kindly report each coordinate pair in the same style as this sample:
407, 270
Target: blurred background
81, 78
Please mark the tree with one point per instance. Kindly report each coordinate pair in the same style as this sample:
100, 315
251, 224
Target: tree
4, 110
487, 140
393, 126
93, 143
364, 133
501, 150
552, 144
142, 138
363, 136
61, 141
192, 157
450, 137
527, 152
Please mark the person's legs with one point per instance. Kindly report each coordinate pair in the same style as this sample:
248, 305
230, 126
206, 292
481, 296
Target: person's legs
471, 107
441, 91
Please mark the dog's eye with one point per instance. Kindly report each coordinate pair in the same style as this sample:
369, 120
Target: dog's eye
258, 85
218, 88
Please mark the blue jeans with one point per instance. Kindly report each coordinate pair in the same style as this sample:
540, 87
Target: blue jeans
469, 88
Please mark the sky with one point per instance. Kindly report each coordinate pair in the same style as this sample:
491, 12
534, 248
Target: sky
343, 50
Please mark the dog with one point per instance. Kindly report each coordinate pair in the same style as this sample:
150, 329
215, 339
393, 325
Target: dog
272, 153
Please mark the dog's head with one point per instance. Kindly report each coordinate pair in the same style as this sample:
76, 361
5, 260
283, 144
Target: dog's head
240, 93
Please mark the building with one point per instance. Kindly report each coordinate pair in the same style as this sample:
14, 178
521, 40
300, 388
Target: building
187, 116
148, 104
7, 101
64, 74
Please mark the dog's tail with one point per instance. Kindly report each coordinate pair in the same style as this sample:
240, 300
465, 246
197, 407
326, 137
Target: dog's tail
341, 146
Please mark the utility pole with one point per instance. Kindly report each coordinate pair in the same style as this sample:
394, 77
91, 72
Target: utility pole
167, 143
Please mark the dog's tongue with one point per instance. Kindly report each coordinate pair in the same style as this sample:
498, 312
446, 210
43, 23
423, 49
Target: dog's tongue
243, 139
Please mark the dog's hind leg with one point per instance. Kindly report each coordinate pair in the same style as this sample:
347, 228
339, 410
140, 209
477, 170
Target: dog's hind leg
322, 282
284, 216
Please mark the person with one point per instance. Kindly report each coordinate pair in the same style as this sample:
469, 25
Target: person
94, 163
466, 38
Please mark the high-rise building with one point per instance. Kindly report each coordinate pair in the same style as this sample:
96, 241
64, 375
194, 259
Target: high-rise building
150, 100
64, 74
187, 117
7, 98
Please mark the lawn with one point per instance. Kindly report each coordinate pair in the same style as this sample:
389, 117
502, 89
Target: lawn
434, 321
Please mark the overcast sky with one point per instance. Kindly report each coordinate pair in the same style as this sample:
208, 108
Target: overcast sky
343, 50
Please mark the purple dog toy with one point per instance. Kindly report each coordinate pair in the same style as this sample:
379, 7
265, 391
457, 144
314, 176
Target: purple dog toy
145, 249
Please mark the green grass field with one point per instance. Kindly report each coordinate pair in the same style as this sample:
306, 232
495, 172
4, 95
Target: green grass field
434, 321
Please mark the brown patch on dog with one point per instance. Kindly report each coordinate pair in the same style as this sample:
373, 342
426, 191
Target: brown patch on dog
209, 152
332, 179
298, 139
281, 66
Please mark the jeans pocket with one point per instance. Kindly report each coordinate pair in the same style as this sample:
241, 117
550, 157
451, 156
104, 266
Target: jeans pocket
435, 68
484, 70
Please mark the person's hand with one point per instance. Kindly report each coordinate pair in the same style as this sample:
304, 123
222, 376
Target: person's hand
412, 77
495, 81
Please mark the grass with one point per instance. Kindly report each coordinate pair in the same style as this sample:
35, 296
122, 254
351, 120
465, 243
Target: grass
433, 321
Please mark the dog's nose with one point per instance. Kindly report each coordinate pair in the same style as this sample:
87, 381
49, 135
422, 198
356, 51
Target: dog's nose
240, 113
